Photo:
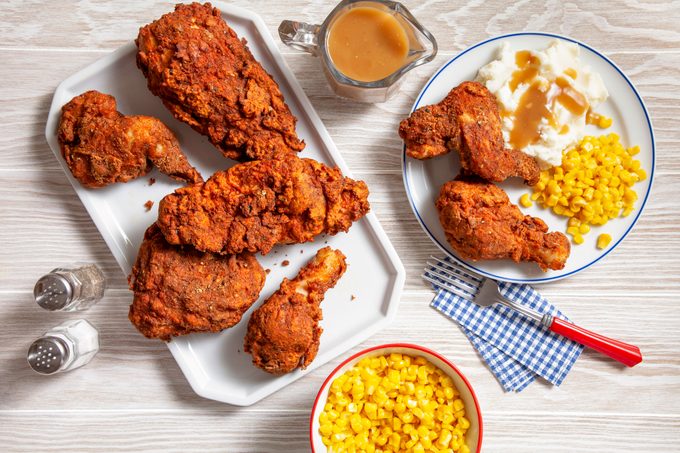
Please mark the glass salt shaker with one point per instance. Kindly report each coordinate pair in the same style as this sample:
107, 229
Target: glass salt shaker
65, 347
72, 288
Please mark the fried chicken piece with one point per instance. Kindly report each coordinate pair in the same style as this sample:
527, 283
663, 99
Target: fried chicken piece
256, 205
102, 146
208, 78
179, 290
283, 333
481, 224
467, 120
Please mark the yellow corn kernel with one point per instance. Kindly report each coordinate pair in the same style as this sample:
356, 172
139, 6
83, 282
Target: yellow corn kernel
574, 222
603, 241
578, 239
463, 423
406, 417
583, 229
604, 122
525, 200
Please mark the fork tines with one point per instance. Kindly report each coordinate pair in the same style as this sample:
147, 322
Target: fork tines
452, 277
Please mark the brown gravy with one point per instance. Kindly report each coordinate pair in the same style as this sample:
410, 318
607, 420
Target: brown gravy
367, 44
537, 102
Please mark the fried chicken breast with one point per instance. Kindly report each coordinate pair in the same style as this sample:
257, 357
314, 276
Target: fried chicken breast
101, 146
179, 290
481, 224
468, 121
256, 205
207, 77
283, 333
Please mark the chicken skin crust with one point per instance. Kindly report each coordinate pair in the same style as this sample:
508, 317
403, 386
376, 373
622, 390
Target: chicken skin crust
283, 333
179, 290
481, 224
208, 78
256, 205
101, 146
468, 121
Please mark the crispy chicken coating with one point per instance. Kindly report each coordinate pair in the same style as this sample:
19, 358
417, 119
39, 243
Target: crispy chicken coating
283, 333
208, 78
179, 290
256, 205
481, 224
102, 146
467, 120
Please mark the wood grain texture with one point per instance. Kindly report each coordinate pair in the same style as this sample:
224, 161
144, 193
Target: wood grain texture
133, 397
273, 431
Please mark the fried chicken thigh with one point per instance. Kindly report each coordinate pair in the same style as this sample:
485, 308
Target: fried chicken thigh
256, 205
283, 333
467, 120
179, 290
102, 146
207, 77
481, 224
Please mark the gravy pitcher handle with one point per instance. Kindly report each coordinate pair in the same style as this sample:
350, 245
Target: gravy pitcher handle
300, 36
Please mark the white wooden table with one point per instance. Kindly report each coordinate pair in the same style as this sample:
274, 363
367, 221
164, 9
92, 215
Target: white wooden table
133, 397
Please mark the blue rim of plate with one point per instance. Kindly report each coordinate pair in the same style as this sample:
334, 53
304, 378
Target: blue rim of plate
639, 212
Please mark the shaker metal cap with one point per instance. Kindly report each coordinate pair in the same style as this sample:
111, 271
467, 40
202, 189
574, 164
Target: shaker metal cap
47, 354
53, 292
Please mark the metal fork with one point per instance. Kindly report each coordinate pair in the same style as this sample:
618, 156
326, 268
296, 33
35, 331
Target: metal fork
485, 292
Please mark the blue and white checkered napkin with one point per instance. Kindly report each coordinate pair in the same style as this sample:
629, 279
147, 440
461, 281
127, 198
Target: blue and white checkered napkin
516, 348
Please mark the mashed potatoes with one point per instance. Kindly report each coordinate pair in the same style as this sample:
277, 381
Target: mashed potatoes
544, 97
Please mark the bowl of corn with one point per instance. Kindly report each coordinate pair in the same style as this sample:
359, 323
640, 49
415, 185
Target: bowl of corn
396, 398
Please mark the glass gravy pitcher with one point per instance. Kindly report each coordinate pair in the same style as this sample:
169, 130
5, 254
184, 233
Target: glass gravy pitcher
314, 39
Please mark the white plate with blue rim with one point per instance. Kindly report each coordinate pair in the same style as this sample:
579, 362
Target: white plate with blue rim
424, 178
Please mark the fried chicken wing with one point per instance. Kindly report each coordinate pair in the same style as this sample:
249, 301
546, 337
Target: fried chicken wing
102, 146
481, 224
178, 290
256, 205
283, 333
208, 78
467, 120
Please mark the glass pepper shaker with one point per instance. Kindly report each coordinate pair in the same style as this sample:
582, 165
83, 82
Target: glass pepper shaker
65, 347
72, 288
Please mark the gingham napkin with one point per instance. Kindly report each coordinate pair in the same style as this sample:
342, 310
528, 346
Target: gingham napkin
516, 349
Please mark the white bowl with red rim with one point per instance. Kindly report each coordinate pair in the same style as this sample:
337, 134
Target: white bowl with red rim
473, 435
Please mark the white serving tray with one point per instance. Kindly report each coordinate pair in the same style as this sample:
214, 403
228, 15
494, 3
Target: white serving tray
364, 301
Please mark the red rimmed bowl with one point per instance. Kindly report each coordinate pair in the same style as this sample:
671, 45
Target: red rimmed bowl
473, 436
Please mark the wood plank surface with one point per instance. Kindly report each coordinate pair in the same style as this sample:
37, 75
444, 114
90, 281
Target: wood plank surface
133, 397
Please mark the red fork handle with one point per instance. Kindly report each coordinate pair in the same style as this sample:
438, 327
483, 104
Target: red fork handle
625, 353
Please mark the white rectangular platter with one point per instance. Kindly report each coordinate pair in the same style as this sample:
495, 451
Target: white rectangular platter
365, 299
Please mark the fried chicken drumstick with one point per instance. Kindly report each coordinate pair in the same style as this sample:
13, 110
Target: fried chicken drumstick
467, 121
208, 78
256, 205
180, 290
481, 224
102, 146
283, 333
